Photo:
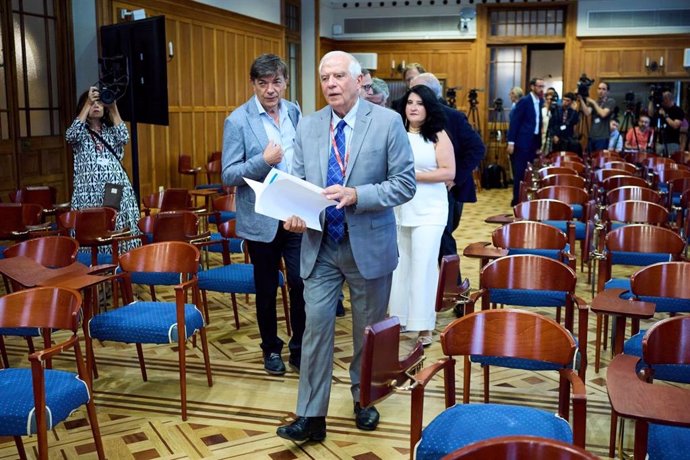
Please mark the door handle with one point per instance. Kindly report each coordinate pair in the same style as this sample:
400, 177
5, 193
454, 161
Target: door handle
25, 144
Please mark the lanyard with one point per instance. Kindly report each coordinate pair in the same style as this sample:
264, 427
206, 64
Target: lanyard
342, 165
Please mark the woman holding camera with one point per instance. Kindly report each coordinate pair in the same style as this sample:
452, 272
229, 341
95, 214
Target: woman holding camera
97, 137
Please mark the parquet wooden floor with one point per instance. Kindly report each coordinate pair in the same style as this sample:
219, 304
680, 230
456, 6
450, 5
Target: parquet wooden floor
238, 416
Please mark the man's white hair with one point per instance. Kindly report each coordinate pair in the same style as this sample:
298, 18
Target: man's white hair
355, 68
429, 80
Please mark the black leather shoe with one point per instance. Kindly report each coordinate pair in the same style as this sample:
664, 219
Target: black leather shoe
366, 419
304, 429
295, 362
273, 364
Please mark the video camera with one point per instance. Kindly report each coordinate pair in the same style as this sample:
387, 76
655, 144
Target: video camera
114, 78
583, 85
656, 94
498, 104
472, 96
630, 101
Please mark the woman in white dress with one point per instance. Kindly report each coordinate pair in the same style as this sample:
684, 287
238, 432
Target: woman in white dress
421, 220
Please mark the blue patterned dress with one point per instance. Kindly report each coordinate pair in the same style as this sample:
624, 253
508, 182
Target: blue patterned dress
95, 165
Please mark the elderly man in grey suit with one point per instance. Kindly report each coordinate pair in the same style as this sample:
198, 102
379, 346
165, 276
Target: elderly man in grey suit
360, 153
259, 135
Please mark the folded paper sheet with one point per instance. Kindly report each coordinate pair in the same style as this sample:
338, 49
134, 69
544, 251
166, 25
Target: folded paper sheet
281, 195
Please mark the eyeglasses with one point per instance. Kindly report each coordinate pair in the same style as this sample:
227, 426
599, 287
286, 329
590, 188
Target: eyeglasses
366, 87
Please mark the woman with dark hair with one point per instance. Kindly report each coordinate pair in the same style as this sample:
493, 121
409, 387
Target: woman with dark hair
97, 137
421, 220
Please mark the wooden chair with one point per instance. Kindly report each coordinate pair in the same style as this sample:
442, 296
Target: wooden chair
520, 448
526, 237
94, 228
184, 167
53, 394
634, 245
503, 333
633, 192
43, 195
20, 221
172, 199
625, 166
384, 373
213, 180
681, 157
614, 182
235, 278
158, 322
550, 170
450, 293
563, 179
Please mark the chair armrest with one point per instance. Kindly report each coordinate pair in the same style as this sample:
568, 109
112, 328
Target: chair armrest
43, 355
469, 307
579, 400
100, 269
182, 287
199, 237
426, 374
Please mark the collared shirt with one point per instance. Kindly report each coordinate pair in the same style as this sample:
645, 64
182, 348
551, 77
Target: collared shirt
349, 118
535, 101
283, 134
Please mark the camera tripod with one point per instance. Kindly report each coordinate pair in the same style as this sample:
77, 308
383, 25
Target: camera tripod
473, 117
628, 123
495, 126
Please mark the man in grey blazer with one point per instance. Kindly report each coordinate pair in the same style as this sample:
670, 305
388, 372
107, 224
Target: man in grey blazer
257, 136
377, 173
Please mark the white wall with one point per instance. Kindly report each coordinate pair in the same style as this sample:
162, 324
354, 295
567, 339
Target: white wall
85, 44
584, 7
266, 10
308, 57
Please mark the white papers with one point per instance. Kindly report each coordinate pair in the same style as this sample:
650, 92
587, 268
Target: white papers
282, 195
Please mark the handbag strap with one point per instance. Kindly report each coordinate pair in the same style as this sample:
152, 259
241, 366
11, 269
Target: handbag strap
103, 141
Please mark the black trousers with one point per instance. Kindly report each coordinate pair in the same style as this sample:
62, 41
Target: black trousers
448, 244
266, 260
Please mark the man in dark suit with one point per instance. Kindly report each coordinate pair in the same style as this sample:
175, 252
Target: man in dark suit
361, 154
524, 133
258, 136
469, 152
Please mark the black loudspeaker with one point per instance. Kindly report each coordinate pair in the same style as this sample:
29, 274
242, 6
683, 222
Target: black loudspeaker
142, 44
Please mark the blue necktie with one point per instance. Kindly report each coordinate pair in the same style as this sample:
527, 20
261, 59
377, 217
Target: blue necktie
335, 218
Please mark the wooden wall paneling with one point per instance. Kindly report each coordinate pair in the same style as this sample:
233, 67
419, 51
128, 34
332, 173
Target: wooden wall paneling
674, 61
609, 63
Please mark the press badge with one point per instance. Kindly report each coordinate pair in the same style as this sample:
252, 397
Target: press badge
597, 120
102, 161
562, 127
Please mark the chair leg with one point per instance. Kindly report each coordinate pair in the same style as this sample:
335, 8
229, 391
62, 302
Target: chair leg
181, 353
204, 305
597, 345
466, 381
152, 290
142, 365
558, 314
207, 360
30, 344
612, 434
20, 447
286, 310
3, 354
486, 383
234, 310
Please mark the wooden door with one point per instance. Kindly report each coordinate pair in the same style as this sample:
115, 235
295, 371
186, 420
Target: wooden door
34, 87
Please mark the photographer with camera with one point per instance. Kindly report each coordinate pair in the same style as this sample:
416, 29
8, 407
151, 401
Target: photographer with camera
561, 128
669, 118
600, 111
98, 136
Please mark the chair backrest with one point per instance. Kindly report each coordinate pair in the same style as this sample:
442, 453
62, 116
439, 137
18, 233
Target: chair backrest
175, 199
613, 182
54, 307
528, 272
90, 225
666, 342
644, 238
216, 155
682, 157
664, 279
520, 448
564, 179
169, 256
652, 162
381, 369
448, 292
549, 170
184, 164
227, 229
509, 333
633, 192
543, 209
602, 174
637, 212
224, 203
528, 234
49, 251
564, 193
43, 195
213, 168
629, 167
667, 174
11, 218
175, 226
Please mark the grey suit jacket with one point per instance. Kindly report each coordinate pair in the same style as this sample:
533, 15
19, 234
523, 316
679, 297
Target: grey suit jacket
244, 141
381, 168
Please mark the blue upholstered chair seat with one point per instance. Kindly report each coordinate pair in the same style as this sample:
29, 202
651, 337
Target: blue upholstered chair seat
639, 259
156, 279
20, 331
619, 283
527, 297
670, 372
64, 393
233, 278
236, 245
550, 253
218, 187
102, 258
577, 211
224, 217
562, 225
464, 424
666, 442
144, 322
